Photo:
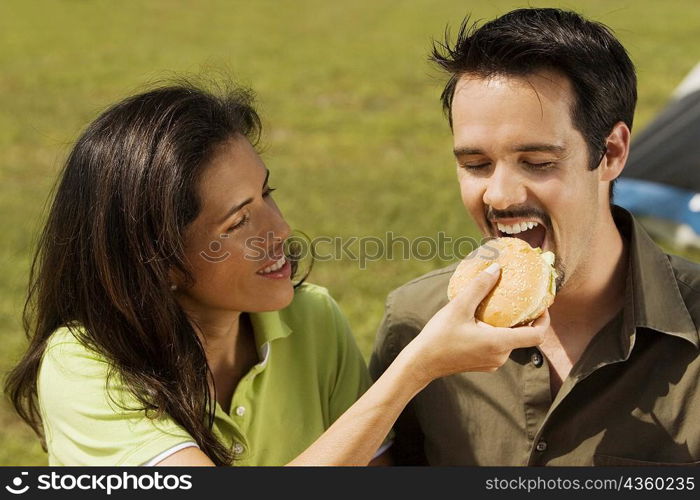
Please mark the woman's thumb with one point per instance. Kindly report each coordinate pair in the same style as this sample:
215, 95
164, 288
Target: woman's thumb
469, 298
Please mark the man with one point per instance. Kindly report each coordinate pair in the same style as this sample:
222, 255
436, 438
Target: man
541, 103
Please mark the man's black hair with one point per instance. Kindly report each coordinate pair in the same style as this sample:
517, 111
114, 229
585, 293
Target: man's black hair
525, 41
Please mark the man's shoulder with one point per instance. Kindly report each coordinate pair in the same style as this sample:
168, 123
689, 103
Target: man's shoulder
419, 299
687, 275
687, 272
408, 309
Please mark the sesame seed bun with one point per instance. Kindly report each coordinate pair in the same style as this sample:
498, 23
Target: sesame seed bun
525, 288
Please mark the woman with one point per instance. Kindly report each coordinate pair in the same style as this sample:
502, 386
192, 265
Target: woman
163, 322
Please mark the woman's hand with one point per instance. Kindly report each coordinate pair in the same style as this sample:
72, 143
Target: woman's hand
454, 341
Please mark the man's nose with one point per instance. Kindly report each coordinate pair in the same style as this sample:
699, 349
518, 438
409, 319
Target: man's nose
504, 189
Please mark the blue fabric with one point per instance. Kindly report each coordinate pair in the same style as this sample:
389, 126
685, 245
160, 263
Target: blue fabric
647, 198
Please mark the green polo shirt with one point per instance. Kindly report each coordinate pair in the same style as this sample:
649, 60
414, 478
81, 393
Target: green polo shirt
633, 398
310, 372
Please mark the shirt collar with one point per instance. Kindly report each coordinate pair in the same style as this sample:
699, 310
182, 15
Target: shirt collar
268, 326
652, 296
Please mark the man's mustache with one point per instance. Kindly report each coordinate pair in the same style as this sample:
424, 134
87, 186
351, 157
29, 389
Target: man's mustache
518, 213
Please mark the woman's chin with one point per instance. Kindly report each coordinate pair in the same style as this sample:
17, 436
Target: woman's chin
277, 299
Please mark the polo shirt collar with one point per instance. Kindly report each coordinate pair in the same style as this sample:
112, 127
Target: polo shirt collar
652, 294
268, 326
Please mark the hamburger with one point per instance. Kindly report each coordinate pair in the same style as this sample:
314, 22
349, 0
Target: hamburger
525, 288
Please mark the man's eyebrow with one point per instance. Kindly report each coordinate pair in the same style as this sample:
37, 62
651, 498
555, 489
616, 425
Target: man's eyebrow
538, 147
466, 151
242, 204
519, 148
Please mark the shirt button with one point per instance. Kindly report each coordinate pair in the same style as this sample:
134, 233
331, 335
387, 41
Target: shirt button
541, 446
240, 411
238, 449
536, 359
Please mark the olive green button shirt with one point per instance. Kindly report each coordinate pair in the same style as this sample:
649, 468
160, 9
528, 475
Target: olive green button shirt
633, 398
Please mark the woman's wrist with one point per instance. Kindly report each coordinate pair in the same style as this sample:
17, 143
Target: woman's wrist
413, 367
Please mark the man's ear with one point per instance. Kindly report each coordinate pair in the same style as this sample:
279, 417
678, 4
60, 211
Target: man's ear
617, 149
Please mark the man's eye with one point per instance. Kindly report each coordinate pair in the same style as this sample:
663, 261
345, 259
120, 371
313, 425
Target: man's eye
539, 166
477, 166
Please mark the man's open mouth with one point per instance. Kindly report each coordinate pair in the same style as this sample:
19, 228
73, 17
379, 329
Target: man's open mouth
532, 231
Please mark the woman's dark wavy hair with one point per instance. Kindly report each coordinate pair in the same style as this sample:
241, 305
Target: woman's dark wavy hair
113, 236
525, 41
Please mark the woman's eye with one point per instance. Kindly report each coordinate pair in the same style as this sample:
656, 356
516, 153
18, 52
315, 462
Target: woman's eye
269, 191
239, 224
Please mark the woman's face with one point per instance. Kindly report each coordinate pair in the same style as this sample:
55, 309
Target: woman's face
235, 245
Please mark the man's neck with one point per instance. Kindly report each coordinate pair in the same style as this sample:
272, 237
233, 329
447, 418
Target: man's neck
596, 293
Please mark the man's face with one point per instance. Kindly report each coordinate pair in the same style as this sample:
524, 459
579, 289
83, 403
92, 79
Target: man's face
523, 167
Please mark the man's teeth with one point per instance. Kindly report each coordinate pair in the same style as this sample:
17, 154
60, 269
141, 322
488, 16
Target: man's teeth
274, 267
516, 228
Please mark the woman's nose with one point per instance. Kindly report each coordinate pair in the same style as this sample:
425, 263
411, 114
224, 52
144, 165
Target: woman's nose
278, 226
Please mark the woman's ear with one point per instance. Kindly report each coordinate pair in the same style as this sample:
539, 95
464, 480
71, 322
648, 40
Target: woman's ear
617, 149
174, 279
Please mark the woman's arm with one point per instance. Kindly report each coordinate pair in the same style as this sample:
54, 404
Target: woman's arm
354, 438
452, 341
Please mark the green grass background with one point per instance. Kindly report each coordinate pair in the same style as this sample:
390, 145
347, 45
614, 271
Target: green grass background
354, 133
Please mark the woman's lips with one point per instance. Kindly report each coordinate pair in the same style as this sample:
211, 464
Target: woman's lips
280, 269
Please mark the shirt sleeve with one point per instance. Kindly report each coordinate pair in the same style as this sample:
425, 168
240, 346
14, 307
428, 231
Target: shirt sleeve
87, 422
352, 377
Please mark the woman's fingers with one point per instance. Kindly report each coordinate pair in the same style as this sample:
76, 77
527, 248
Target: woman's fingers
469, 298
524, 336
542, 320
454, 341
